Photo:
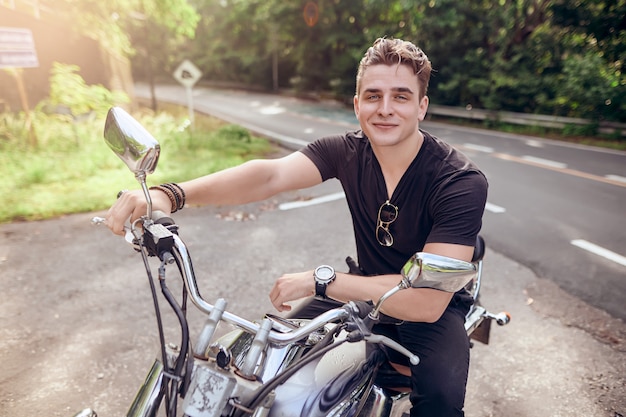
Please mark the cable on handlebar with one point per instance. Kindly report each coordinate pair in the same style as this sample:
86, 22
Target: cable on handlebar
326, 339
183, 356
157, 310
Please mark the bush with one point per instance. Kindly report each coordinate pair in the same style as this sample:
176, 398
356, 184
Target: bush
70, 96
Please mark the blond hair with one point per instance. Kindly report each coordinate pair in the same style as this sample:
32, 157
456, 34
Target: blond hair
396, 51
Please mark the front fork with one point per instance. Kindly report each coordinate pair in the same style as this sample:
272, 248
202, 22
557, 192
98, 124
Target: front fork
148, 399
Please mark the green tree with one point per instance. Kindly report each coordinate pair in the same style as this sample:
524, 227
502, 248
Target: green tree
516, 55
125, 27
592, 83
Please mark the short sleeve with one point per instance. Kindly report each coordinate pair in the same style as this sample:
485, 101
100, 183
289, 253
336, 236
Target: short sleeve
457, 208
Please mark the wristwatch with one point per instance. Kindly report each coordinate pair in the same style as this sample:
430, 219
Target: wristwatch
323, 276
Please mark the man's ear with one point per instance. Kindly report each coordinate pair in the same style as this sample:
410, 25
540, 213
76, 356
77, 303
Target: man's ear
423, 107
356, 105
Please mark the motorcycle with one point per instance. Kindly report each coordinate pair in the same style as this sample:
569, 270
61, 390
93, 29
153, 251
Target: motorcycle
275, 366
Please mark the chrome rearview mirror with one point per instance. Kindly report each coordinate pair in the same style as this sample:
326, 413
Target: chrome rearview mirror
427, 270
134, 145
131, 142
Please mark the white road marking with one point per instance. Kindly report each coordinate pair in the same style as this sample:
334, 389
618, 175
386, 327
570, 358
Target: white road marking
598, 250
534, 143
556, 166
494, 209
547, 162
615, 178
271, 110
338, 196
478, 148
311, 202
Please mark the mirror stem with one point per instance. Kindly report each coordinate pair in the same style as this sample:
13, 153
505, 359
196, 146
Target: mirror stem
141, 177
374, 314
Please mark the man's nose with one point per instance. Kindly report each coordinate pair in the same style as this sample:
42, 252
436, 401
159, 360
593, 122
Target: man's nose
385, 108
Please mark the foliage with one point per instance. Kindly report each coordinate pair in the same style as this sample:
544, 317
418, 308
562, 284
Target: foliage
514, 55
159, 33
69, 94
588, 88
165, 23
60, 178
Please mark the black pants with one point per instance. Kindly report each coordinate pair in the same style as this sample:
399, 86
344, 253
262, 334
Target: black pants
438, 381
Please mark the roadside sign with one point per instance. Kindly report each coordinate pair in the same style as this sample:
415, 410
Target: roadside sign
187, 73
17, 48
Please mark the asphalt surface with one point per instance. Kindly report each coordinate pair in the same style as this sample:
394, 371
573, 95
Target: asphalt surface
78, 326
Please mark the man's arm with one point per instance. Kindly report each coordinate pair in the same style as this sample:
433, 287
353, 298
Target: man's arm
254, 180
413, 304
251, 181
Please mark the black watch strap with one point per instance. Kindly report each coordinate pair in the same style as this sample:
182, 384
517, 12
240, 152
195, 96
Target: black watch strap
320, 289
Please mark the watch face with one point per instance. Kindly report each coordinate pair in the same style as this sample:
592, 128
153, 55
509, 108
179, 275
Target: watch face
324, 272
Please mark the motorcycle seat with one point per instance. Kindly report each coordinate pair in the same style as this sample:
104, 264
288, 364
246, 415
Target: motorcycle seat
479, 249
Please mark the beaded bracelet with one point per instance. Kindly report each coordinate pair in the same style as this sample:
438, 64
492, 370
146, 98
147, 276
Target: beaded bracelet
175, 193
181, 194
177, 197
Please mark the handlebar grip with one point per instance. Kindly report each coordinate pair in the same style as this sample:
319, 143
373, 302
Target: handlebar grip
364, 308
161, 218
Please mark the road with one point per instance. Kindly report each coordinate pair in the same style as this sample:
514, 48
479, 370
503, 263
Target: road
556, 208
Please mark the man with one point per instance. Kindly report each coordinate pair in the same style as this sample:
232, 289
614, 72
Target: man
407, 192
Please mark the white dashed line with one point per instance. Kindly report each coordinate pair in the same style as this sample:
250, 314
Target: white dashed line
478, 148
616, 178
534, 143
338, 196
494, 209
598, 250
311, 202
546, 162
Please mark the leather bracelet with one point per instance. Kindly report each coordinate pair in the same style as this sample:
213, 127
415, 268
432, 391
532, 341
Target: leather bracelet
177, 197
182, 195
169, 195
175, 193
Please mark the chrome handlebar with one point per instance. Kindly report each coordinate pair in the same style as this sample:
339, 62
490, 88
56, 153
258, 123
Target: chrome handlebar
189, 278
183, 258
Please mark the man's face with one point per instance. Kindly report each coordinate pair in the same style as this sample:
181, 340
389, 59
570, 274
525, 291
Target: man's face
388, 106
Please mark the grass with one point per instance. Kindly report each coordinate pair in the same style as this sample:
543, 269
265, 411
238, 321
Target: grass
72, 170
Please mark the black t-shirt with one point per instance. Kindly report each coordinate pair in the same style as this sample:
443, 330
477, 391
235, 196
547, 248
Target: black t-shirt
440, 198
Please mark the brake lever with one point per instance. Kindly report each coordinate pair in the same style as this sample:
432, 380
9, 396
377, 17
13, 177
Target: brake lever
384, 340
129, 237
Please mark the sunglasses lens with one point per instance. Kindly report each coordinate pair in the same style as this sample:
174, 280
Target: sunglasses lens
388, 213
383, 236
